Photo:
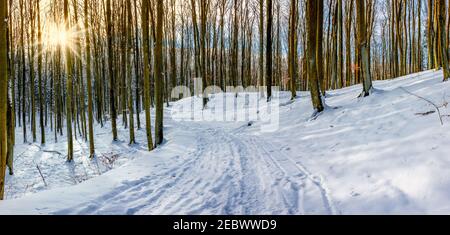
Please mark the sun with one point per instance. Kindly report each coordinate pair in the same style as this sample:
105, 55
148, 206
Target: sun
57, 36
60, 38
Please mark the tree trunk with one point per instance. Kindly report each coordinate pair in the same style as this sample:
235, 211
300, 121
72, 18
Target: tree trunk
348, 57
261, 47
159, 74
68, 64
293, 49
32, 84
363, 45
3, 95
40, 88
340, 45
269, 68
313, 12
112, 97
443, 38
89, 82
431, 55
146, 44
204, 7
319, 53
129, 49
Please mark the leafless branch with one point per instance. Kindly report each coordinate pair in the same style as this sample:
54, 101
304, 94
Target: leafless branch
428, 101
42, 176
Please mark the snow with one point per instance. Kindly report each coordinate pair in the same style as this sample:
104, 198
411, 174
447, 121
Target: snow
51, 159
384, 154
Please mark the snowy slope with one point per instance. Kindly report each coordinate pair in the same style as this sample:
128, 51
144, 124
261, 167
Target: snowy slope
385, 154
50, 160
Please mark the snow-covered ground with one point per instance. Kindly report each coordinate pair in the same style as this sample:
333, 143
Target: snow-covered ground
384, 154
51, 160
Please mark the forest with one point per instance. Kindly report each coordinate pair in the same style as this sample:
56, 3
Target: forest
67, 66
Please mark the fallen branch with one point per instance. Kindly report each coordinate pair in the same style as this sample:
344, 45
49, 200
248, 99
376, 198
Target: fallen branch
426, 113
54, 152
42, 176
428, 101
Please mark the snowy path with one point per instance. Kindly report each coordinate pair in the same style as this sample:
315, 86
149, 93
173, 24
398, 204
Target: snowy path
228, 173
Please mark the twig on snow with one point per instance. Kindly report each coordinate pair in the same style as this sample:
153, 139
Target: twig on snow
428, 101
54, 152
42, 176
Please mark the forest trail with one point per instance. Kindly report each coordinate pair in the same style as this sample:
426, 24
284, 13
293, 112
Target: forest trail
228, 173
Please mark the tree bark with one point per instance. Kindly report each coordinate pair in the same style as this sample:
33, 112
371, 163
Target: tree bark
363, 45
293, 49
159, 74
3, 95
89, 82
68, 64
443, 39
146, 64
313, 12
269, 68
112, 96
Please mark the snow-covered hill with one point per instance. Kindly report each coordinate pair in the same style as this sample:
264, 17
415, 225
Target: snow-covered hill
384, 154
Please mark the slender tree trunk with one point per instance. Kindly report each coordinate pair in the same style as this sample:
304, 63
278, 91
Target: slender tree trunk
261, 47
431, 55
443, 39
348, 57
40, 88
146, 43
3, 94
23, 72
173, 55
112, 97
334, 51
11, 119
204, 7
277, 73
340, 45
159, 74
137, 73
269, 68
363, 45
124, 65
129, 70
88, 79
68, 64
313, 12
293, 49
319, 53
31, 46
419, 38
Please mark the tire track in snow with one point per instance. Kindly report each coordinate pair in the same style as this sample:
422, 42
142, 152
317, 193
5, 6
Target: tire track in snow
221, 184
228, 173
292, 195
132, 196
317, 180
290, 202
294, 173
250, 198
